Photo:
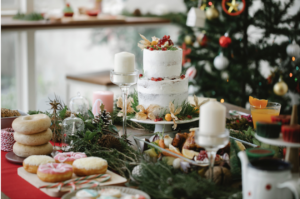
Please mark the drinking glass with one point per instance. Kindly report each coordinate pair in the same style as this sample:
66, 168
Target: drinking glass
264, 114
212, 143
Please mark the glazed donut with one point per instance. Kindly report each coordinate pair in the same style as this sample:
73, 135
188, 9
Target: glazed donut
31, 124
34, 139
89, 166
25, 151
69, 157
32, 163
54, 172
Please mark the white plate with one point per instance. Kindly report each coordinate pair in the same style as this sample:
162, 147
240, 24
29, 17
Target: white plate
165, 122
124, 190
277, 141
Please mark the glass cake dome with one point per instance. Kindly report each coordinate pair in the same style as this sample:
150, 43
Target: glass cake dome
79, 104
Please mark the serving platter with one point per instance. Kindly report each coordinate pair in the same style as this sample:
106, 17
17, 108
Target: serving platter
124, 191
115, 179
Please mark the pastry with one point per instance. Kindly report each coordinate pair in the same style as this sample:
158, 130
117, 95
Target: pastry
54, 172
268, 129
89, 166
284, 119
7, 139
87, 194
25, 151
110, 192
9, 113
137, 196
291, 133
34, 139
32, 163
31, 124
69, 157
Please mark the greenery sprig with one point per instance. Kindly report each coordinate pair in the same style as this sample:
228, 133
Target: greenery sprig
176, 184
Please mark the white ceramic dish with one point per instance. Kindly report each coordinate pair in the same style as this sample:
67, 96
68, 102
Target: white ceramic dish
124, 190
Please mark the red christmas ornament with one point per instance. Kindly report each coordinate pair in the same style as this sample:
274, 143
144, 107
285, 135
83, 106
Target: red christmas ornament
224, 41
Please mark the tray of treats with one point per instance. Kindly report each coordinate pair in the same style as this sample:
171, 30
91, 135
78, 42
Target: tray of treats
181, 151
67, 172
107, 192
8, 116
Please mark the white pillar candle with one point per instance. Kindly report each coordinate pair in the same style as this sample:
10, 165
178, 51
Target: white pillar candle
124, 62
212, 118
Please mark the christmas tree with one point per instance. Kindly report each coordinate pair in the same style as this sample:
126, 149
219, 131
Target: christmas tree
242, 43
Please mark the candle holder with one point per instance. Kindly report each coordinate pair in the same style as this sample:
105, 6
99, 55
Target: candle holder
124, 81
212, 143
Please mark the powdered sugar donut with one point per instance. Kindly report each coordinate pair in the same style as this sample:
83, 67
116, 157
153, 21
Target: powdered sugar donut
89, 166
32, 163
54, 172
34, 139
25, 151
31, 124
87, 194
69, 157
7, 139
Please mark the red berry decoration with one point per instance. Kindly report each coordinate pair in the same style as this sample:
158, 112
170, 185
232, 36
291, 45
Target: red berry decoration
202, 155
268, 187
152, 79
165, 39
151, 49
189, 116
156, 120
141, 75
224, 41
182, 76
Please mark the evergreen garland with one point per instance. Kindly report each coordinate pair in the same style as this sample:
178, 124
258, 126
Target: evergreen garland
160, 180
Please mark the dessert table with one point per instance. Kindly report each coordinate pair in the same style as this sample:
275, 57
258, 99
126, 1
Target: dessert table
13, 186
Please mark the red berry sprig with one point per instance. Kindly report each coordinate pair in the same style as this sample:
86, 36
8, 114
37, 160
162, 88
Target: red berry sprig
158, 119
141, 75
182, 76
157, 79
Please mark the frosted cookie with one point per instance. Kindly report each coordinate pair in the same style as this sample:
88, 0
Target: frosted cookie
110, 192
32, 163
68, 157
87, 194
89, 166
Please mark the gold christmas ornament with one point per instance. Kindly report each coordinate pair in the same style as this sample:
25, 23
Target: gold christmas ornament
212, 13
188, 40
280, 88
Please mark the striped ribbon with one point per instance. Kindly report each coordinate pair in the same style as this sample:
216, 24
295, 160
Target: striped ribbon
86, 181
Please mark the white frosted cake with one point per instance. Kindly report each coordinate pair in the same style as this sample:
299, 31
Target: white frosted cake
162, 81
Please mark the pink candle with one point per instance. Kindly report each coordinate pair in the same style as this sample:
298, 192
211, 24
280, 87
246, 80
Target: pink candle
107, 97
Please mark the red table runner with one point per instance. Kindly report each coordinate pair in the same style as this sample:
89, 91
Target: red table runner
14, 186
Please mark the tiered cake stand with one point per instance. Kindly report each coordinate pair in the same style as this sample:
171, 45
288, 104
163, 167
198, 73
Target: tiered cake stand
292, 158
164, 125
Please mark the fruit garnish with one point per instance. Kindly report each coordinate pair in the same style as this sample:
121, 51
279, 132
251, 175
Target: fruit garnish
141, 75
151, 152
182, 76
257, 102
189, 116
151, 49
189, 153
154, 42
153, 79
202, 155
165, 41
168, 117
173, 148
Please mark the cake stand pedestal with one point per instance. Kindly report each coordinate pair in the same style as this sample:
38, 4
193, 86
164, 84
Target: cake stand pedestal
290, 156
165, 126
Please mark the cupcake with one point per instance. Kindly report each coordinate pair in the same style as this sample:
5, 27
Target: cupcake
268, 129
291, 133
68, 11
284, 119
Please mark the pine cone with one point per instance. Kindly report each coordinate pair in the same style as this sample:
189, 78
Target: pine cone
109, 141
105, 117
